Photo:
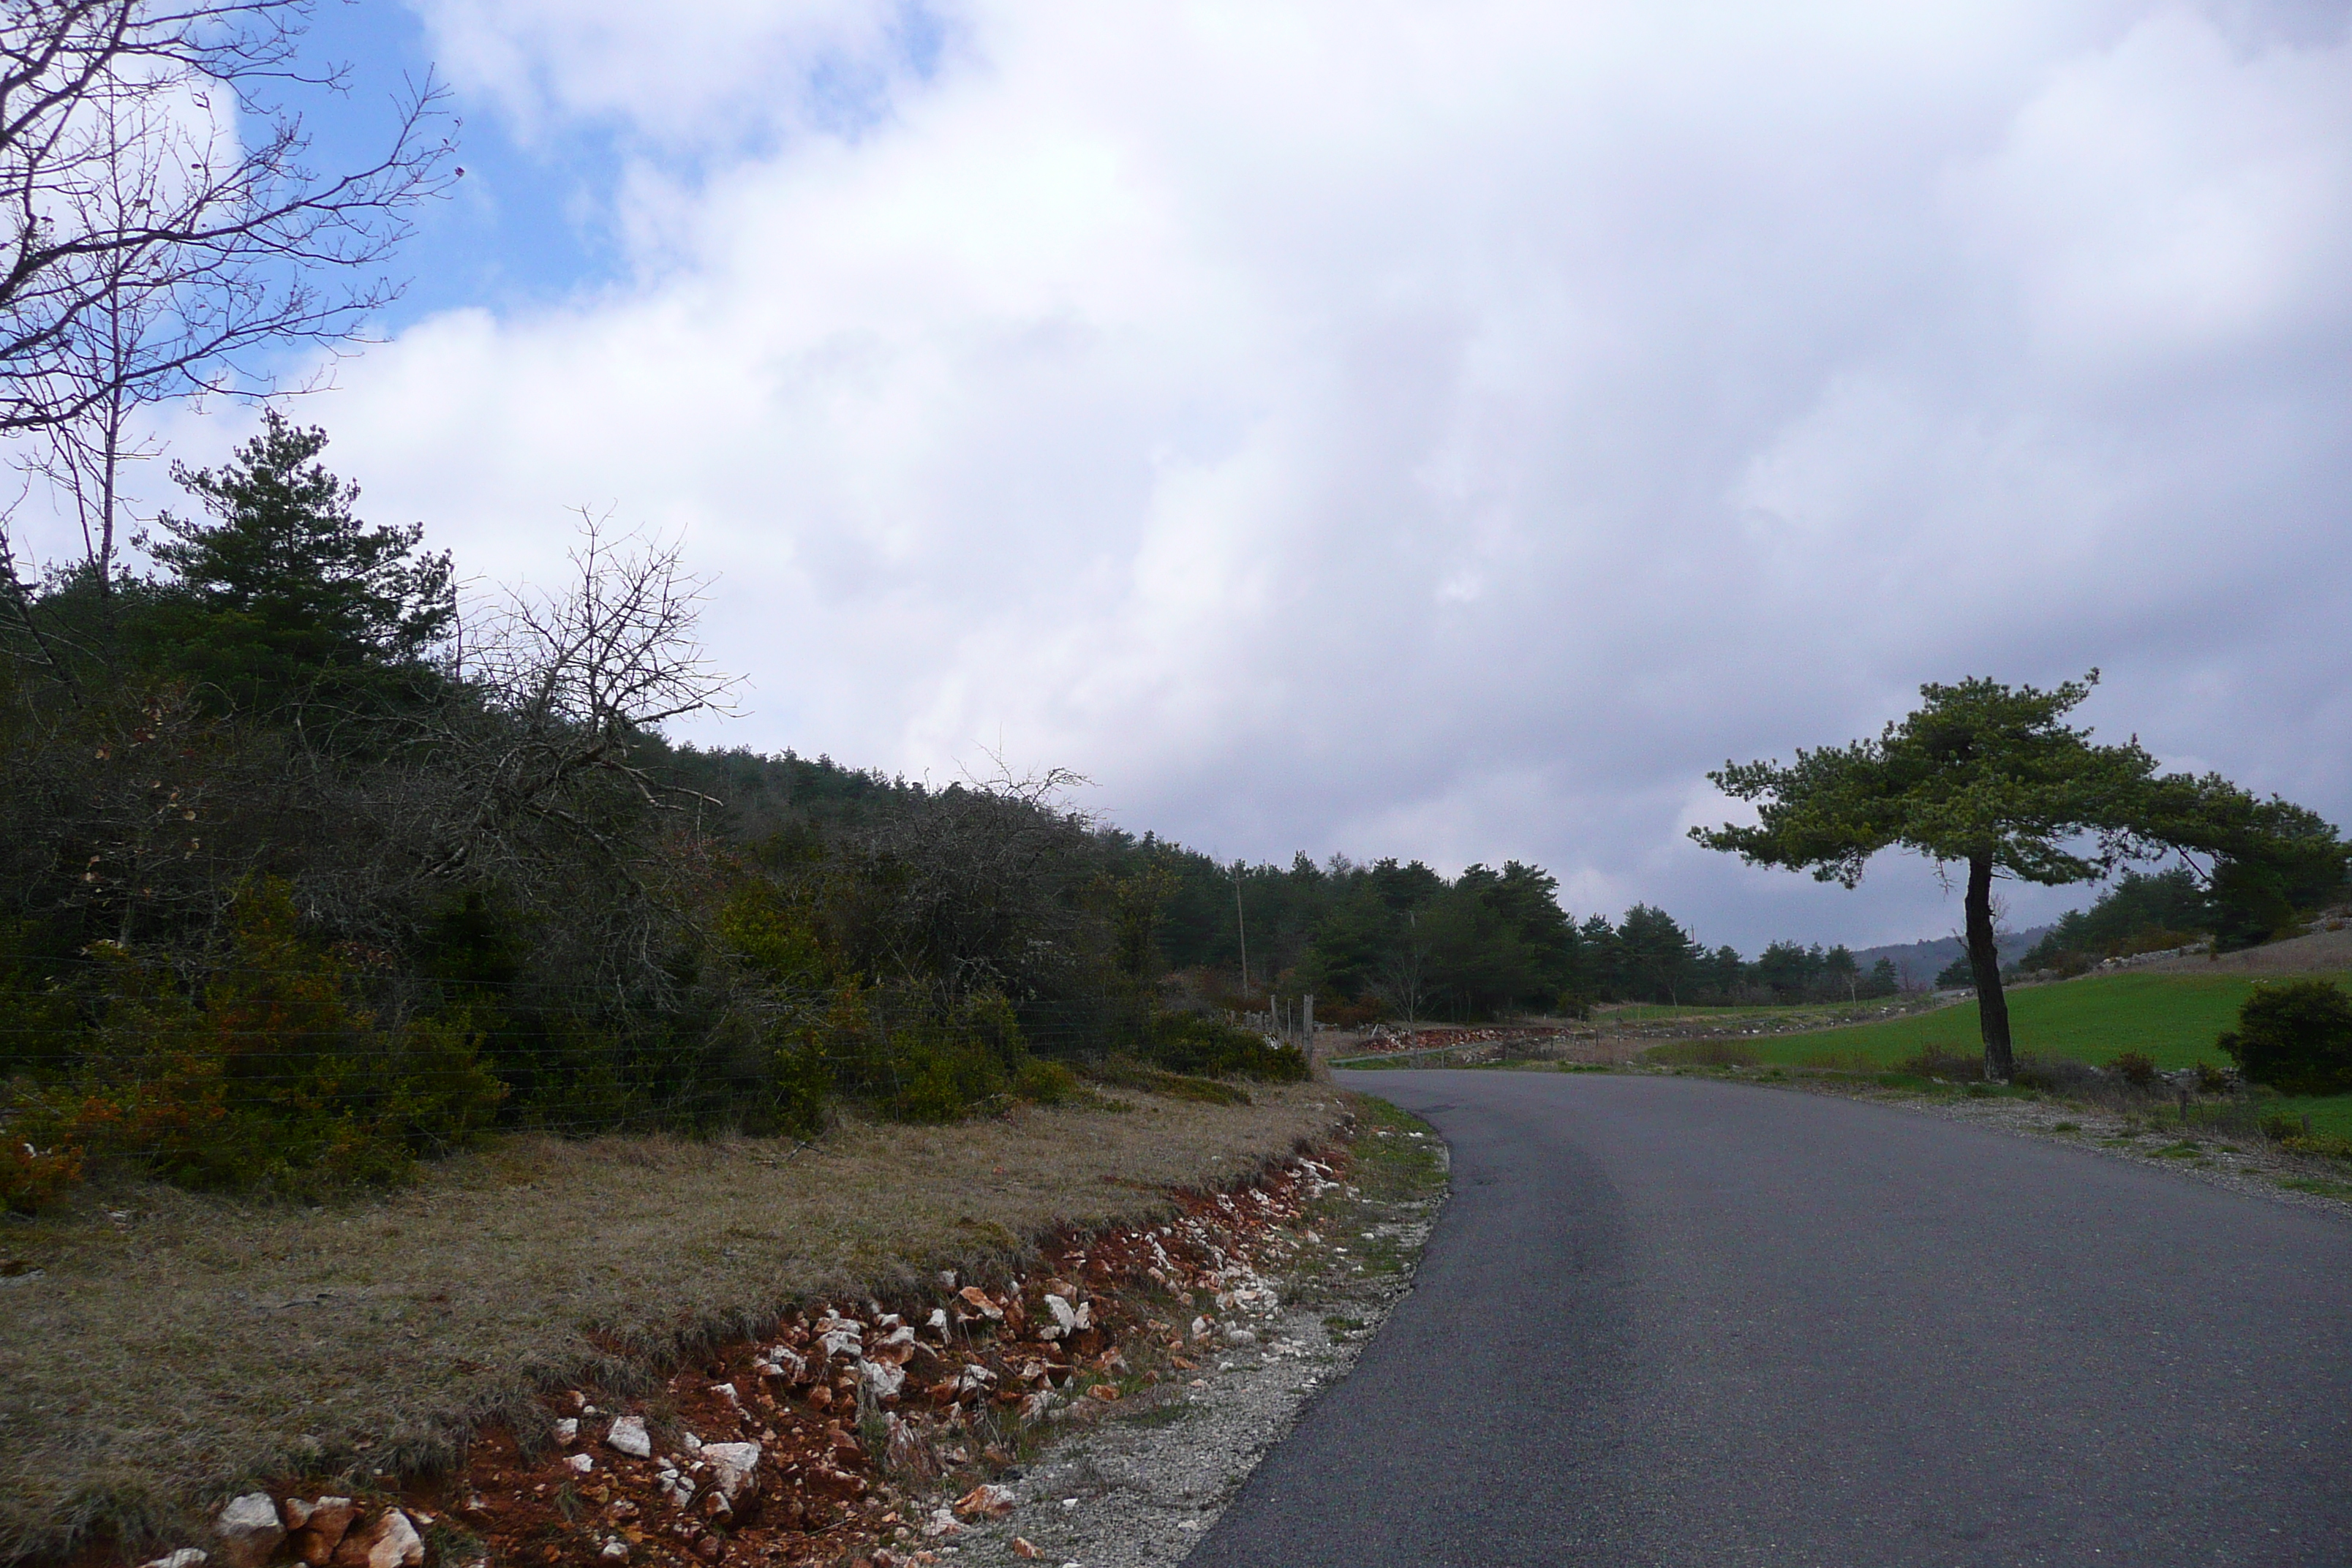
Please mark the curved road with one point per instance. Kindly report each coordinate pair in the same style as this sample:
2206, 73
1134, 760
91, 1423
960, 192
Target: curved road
1671, 1322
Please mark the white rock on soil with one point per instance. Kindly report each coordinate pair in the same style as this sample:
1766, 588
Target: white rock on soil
627, 1436
186, 1557
987, 1500
319, 1526
735, 1469
391, 1541
567, 1431
249, 1529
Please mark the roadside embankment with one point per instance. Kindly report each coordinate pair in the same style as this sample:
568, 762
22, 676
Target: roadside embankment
168, 1350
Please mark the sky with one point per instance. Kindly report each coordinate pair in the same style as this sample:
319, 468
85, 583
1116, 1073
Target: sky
1438, 431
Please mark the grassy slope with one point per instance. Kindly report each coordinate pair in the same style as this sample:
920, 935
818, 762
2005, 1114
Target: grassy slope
2171, 1019
177, 1343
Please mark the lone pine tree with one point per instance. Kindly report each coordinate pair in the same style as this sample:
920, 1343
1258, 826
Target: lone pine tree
1992, 778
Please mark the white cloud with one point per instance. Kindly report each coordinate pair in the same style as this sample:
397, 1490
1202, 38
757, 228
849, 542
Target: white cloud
1440, 430
680, 76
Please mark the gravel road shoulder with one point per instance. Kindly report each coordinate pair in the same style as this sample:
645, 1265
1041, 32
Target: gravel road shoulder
1142, 1486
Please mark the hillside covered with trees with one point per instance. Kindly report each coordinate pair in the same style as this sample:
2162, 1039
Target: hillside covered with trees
311, 874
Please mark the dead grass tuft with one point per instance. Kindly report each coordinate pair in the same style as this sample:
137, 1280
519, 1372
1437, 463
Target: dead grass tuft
178, 1347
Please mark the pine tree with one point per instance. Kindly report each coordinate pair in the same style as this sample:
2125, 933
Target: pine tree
281, 596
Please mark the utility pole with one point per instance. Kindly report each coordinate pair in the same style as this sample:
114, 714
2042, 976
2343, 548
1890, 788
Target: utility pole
1241, 927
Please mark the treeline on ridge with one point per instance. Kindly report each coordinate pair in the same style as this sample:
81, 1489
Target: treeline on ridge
306, 878
309, 877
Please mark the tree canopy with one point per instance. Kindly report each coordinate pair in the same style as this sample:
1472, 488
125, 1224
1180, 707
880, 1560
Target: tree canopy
281, 590
1994, 778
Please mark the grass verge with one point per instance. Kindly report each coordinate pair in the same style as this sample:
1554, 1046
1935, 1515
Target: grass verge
2172, 1019
165, 1348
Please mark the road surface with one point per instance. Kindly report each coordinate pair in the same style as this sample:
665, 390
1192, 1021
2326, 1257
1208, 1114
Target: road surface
1672, 1321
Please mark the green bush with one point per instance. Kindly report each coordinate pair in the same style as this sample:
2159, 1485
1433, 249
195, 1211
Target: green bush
1042, 1082
2134, 1068
269, 1074
2295, 1037
1192, 1043
911, 1058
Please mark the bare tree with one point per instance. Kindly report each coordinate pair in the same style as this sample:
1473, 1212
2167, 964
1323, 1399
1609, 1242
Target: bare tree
162, 226
82, 457
1403, 983
565, 692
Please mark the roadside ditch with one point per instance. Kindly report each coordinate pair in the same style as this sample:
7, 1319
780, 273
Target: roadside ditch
1094, 1400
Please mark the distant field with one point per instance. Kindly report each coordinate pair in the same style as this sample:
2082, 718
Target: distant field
1652, 1017
2172, 1019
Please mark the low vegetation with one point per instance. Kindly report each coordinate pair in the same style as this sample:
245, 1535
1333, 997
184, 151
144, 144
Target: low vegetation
2134, 1026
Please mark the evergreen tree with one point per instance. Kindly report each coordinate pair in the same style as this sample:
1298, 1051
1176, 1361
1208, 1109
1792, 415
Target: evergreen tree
1994, 779
281, 597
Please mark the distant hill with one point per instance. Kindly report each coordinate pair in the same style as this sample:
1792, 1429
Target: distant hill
1919, 962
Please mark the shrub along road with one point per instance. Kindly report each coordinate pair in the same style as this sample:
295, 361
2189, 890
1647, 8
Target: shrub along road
1667, 1321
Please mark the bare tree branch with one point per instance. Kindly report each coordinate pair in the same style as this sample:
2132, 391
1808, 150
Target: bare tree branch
570, 687
128, 195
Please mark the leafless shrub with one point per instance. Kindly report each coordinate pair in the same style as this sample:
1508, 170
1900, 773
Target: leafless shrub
561, 695
967, 886
2055, 1075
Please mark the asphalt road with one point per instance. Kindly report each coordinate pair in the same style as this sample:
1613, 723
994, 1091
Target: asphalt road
1672, 1321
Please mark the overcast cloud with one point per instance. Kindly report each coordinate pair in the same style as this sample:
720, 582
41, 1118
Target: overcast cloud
1440, 430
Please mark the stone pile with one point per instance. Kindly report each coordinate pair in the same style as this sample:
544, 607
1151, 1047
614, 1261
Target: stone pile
323, 1531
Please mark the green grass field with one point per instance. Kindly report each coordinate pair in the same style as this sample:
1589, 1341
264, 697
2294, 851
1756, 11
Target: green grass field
2172, 1019
1776, 1014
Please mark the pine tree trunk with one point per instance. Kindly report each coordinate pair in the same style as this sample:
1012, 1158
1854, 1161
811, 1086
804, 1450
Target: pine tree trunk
1984, 960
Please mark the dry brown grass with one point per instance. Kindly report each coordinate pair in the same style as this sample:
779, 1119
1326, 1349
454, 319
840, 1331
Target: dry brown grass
2320, 952
178, 1347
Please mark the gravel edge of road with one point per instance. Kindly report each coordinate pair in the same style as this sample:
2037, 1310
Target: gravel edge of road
1141, 1489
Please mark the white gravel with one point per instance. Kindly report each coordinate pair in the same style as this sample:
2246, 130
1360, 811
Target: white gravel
1144, 1483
